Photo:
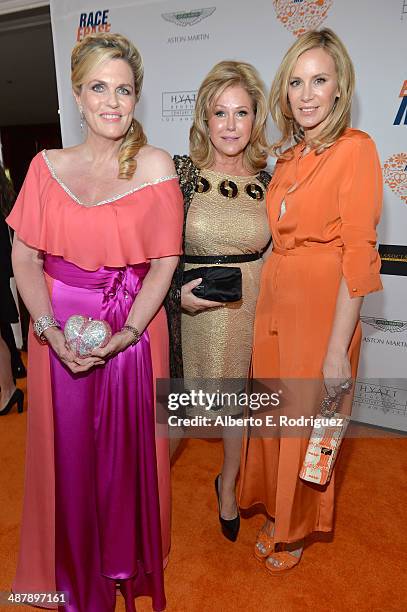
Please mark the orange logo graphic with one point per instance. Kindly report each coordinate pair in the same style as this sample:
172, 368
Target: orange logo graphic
395, 174
299, 16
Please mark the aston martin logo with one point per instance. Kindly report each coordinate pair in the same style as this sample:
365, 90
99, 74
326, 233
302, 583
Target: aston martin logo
385, 325
189, 18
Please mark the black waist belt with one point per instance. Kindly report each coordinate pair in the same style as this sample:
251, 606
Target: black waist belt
220, 259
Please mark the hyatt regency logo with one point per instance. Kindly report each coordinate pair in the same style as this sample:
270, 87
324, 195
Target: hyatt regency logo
178, 104
381, 397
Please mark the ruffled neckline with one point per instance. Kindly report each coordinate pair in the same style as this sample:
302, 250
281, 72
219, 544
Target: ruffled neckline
115, 198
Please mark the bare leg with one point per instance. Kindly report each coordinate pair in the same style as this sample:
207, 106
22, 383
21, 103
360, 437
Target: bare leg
6, 377
268, 527
232, 443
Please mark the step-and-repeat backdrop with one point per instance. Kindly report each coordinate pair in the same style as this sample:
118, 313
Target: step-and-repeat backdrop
180, 42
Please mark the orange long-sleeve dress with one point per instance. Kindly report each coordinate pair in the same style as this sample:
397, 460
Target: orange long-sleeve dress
324, 231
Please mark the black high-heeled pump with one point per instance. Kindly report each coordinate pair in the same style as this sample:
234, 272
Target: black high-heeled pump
17, 367
230, 527
16, 398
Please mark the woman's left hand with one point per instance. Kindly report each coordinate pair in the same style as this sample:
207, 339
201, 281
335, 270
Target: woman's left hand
118, 343
337, 372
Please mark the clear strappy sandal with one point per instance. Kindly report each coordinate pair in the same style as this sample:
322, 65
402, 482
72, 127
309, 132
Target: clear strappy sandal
264, 543
280, 562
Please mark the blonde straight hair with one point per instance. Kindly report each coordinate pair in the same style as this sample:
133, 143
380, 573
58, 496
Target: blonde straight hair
280, 109
92, 51
223, 75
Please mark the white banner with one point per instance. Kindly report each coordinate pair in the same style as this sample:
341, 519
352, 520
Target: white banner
180, 43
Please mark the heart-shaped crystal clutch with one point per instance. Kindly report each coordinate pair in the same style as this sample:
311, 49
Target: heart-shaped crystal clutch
83, 334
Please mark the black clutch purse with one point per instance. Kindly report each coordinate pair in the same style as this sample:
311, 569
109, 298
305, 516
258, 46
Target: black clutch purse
219, 283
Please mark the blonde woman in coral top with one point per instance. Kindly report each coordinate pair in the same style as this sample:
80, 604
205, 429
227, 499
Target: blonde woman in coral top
98, 233
323, 206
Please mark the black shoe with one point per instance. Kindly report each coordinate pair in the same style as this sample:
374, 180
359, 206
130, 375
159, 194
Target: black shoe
19, 370
17, 367
16, 398
230, 527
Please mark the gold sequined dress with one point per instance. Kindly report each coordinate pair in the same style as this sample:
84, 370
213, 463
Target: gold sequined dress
217, 343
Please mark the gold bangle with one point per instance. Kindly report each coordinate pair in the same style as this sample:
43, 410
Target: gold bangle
134, 331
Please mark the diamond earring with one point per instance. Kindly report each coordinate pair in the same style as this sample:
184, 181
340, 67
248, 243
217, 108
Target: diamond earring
82, 116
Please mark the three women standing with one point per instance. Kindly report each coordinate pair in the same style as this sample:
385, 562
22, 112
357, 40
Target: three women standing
86, 247
323, 206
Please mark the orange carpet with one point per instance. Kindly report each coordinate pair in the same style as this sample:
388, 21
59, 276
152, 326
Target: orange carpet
361, 567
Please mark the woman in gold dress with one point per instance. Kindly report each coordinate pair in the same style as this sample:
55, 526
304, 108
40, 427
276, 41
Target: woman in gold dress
225, 224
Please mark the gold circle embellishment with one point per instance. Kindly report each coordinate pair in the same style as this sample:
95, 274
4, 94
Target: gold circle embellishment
228, 189
203, 185
254, 191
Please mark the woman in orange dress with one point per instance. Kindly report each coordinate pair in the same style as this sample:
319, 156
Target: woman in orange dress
323, 205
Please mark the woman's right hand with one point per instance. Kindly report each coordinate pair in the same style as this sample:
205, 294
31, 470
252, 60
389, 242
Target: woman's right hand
57, 342
192, 304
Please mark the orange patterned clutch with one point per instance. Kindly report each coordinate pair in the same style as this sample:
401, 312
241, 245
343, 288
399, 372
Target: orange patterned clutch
324, 443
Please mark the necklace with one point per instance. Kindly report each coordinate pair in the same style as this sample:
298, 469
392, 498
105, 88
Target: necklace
229, 189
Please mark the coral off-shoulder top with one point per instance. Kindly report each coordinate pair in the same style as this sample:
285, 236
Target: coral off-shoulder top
141, 224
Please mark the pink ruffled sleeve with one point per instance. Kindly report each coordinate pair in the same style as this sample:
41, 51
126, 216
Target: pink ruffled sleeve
146, 223
159, 220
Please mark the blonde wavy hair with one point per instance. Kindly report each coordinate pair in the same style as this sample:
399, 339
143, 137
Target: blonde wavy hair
92, 51
223, 75
339, 117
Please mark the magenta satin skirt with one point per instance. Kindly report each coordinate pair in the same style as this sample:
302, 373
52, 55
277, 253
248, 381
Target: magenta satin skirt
107, 507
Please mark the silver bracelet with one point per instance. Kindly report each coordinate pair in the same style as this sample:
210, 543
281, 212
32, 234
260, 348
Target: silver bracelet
42, 324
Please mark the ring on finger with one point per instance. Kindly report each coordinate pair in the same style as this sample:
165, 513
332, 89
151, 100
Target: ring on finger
346, 385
